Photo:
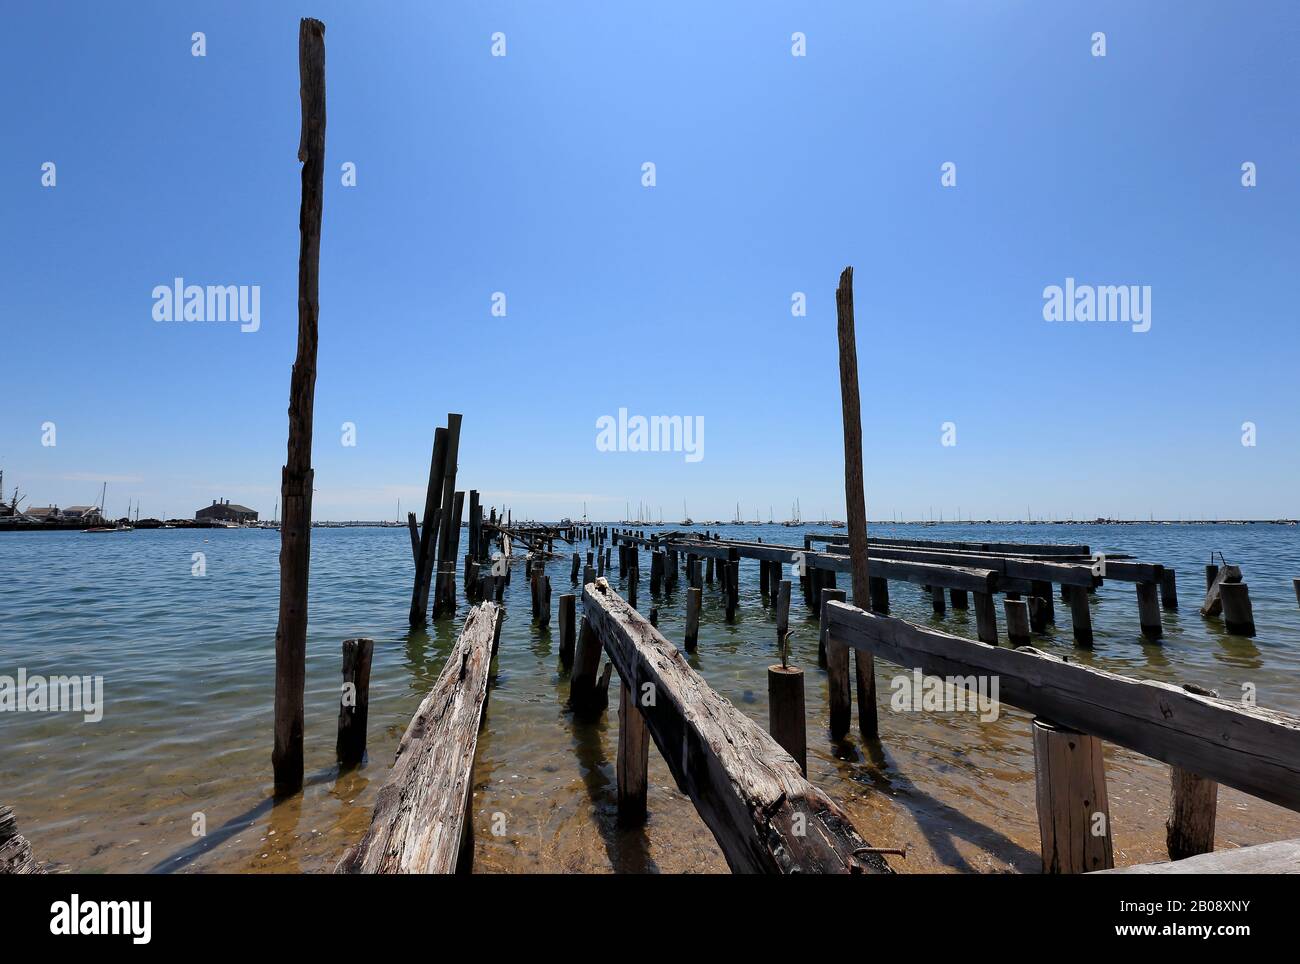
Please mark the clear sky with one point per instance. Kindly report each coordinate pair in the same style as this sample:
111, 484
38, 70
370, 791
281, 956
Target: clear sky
523, 174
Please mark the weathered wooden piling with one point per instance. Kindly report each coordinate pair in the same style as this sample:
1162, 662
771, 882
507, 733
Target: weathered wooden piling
1238, 616
1211, 574
937, 600
1295, 584
855, 499
586, 694
422, 823
1080, 615
633, 759
567, 637
1017, 621
828, 595
544, 600
354, 701
573, 572
782, 614
1070, 791
733, 588
694, 599
785, 706
959, 599
1149, 610
878, 589
1193, 805
444, 595
297, 475
763, 578
986, 618
1169, 590
424, 559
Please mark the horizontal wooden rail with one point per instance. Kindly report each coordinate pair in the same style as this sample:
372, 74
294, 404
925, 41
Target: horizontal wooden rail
421, 819
1279, 857
1254, 750
749, 792
1014, 548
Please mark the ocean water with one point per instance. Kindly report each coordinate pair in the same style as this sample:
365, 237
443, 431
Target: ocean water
188, 667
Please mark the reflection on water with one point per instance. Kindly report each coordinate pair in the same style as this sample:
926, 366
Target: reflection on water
188, 666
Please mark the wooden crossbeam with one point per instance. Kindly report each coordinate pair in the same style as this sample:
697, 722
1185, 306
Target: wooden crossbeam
421, 819
749, 792
1252, 749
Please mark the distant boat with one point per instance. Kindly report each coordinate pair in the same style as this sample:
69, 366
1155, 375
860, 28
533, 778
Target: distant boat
117, 528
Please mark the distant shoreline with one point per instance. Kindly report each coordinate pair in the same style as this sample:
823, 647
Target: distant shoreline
7, 526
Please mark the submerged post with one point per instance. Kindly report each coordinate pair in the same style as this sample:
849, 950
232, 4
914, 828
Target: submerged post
354, 703
297, 476
855, 499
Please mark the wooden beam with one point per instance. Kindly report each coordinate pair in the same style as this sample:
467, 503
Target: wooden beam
1282, 857
422, 815
748, 791
1251, 749
296, 477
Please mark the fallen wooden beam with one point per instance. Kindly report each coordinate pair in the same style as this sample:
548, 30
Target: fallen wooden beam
421, 819
765, 816
15, 852
1252, 749
1280, 857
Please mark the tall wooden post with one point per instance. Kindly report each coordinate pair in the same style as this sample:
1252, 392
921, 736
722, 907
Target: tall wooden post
297, 476
855, 499
424, 557
448, 521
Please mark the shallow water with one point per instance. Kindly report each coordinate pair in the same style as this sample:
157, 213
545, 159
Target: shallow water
188, 667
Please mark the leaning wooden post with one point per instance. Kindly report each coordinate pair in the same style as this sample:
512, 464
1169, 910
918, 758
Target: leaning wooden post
424, 557
633, 759
297, 476
1193, 801
785, 705
1070, 790
694, 597
567, 610
855, 499
354, 703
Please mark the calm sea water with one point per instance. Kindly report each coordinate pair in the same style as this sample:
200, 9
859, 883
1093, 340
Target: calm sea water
188, 667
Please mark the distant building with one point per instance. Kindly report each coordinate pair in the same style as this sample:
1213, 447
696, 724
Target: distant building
225, 512
41, 514
83, 513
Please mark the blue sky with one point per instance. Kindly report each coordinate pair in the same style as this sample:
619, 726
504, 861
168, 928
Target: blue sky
523, 174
